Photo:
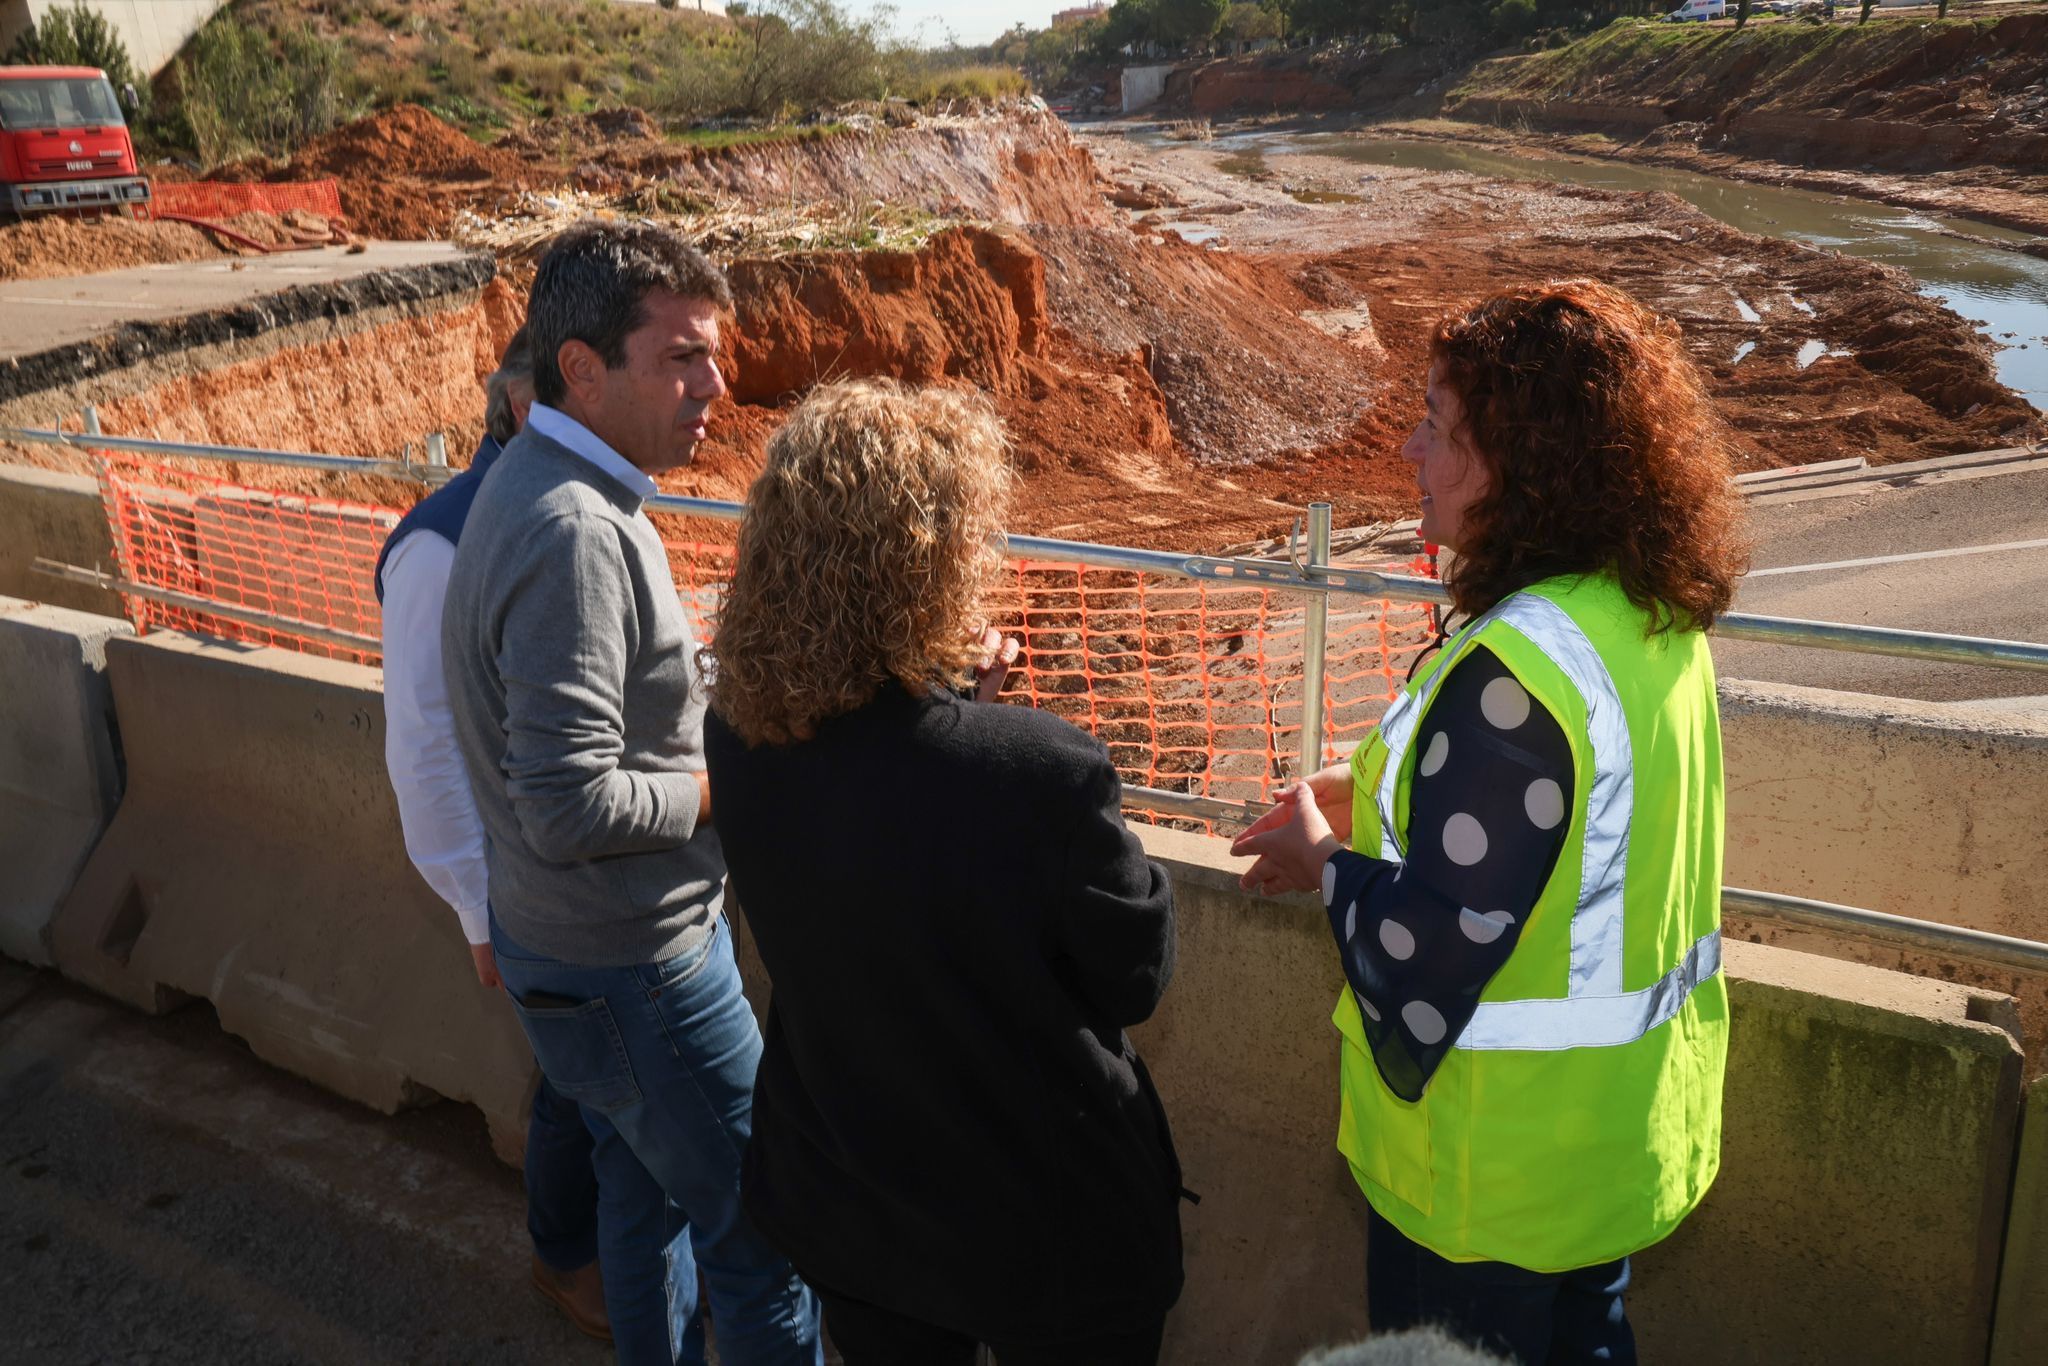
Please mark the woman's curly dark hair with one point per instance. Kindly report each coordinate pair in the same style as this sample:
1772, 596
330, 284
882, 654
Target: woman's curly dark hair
1604, 452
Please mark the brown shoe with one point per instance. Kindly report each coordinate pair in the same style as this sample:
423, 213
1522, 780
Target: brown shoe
579, 1294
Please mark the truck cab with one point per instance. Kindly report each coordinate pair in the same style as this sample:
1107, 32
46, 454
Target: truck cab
64, 144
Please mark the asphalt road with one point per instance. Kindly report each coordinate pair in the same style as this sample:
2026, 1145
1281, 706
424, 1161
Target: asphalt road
42, 314
2003, 594
165, 1198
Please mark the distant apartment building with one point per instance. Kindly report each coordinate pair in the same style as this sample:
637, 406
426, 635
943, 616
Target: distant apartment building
151, 30
700, 6
1080, 14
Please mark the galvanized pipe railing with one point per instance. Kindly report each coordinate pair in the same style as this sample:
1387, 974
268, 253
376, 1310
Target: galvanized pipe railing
212, 607
1925, 936
1314, 578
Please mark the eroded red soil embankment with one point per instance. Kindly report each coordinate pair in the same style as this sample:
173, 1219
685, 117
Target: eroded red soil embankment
1947, 117
406, 174
372, 392
1135, 426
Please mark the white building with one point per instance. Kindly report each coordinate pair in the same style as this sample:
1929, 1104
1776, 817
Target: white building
152, 30
701, 6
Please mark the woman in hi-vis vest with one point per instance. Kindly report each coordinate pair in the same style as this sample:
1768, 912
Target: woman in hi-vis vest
1528, 913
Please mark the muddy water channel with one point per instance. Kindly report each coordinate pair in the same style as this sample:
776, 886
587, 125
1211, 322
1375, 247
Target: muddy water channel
2004, 292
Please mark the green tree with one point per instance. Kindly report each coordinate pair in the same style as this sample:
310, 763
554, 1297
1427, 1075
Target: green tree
1514, 19
76, 36
1182, 23
1246, 22
1129, 23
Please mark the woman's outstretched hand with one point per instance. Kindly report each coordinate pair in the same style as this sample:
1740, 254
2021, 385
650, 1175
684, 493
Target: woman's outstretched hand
1292, 843
998, 653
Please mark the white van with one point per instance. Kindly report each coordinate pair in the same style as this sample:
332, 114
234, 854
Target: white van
1698, 9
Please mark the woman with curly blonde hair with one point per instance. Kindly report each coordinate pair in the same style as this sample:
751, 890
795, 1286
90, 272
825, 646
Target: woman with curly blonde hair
954, 1142
1528, 916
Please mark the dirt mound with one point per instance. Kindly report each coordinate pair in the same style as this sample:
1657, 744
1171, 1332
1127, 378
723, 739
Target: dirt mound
1108, 451
573, 136
968, 308
404, 173
1245, 375
44, 248
404, 140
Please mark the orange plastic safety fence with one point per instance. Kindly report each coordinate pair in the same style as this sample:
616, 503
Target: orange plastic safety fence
1194, 686
304, 560
222, 199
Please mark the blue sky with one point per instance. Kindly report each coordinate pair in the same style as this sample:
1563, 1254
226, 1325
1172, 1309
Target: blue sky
972, 21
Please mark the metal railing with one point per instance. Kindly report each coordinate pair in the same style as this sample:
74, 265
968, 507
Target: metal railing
1312, 576
1316, 579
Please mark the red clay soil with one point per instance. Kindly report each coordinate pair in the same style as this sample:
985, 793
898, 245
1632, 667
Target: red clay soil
404, 173
1093, 429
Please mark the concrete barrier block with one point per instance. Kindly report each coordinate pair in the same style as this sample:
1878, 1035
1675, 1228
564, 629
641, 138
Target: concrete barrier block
59, 766
1867, 1151
1929, 809
1924, 809
1868, 1143
256, 861
58, 517
2021, 1329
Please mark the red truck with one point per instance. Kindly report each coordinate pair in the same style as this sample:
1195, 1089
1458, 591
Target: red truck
64, 144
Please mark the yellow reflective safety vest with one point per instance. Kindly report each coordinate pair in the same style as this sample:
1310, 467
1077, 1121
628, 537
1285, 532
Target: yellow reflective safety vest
1577, 1119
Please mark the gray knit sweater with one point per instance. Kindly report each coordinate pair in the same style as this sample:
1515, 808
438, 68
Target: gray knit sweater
571, 674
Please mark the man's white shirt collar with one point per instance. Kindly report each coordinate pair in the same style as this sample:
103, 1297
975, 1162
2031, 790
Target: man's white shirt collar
560, 427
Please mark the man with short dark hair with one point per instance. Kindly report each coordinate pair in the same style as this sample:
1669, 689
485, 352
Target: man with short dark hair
446, 842
571, 672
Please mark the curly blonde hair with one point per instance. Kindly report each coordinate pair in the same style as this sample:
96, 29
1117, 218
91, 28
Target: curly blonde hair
869, 541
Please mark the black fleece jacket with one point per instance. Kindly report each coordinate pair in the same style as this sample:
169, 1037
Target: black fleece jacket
948, 1120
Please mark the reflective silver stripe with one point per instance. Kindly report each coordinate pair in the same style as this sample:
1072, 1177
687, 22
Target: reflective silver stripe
1593, 1021
1595, 1012
1598, 918
1397, 730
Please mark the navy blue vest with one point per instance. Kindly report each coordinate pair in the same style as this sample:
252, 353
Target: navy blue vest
444, 510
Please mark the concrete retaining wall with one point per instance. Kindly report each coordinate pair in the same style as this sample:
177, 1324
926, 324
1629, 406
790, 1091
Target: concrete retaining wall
257, 862
57, 517
1867, 1161
59, 762
1142, 85
2021, 1327
1927, 809
151, 30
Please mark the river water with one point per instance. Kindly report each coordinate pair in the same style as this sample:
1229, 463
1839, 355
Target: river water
2004, 292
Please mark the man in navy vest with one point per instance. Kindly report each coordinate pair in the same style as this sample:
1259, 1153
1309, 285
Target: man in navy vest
445, 840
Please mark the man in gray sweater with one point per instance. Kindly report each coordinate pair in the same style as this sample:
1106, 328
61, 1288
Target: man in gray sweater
571, 675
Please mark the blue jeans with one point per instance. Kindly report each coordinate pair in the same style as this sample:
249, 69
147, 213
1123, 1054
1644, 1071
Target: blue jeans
561, 1184
660, 1058
1533, 1318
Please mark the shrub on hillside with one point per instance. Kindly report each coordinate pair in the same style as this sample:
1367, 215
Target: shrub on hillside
247, 91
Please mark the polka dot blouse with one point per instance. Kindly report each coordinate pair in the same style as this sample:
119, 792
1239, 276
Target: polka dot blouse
1486, 821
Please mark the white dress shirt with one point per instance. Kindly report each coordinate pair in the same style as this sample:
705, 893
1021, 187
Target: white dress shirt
443, 835
559, 426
